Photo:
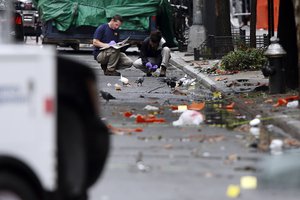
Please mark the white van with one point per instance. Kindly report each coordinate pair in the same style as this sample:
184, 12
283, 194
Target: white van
52, 142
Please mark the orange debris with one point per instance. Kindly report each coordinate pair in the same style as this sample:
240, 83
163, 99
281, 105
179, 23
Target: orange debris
127, 114
230, 106
196, 106
149, 119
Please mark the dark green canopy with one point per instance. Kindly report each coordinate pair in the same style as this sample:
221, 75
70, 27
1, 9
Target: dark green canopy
67, 13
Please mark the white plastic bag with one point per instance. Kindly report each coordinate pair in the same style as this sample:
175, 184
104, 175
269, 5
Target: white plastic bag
189, 117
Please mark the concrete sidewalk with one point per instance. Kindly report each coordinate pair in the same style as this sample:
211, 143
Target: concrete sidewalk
248, 90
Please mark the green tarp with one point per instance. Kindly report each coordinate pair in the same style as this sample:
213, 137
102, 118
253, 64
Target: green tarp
68, 13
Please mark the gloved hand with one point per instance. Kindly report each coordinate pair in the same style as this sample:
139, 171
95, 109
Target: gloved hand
111, 43
154, 68
149, 65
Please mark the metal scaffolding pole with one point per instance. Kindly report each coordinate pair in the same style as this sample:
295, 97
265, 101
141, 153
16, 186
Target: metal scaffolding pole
197, 33
270, 18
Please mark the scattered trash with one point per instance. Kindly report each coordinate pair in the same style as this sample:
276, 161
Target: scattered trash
149, 119
233, 191
117, 87
182, 108
280, 102
276, 146
179, 109
123, 131
189, 117
232, 158
220, 78
140, 164
127, 114
255, 122
188, 82
107, 96
152, 108
230, 106
293, 104
255, 131
284, 101
196, 106
108, 84
217, 95
290, 142
248, 182
255, 126
181, 80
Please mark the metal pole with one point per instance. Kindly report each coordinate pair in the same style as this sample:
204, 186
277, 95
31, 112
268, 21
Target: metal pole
197, 31
197, 12
270, 18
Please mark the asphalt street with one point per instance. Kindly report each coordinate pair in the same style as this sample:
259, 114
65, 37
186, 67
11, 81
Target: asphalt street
162, 162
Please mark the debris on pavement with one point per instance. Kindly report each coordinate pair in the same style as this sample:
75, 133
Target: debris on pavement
232, 158
220, 78
255, 122
255, 127
127, 114
189, 82
206, 138
123, 131
179, 108
230, 106
286, 100
276, 146
118, 87
217, 95
189, 117
233, 191
293, 104
149, 119
151, 108
248, 182
291, 142
140, 164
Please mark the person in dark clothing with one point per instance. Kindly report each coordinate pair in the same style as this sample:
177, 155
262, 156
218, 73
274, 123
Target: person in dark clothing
154, 54
105, 36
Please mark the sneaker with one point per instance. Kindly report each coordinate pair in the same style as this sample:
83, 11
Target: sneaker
163, 70
111, 73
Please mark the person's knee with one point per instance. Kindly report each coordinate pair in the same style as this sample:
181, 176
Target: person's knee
137, 63
130, 63
166, 50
